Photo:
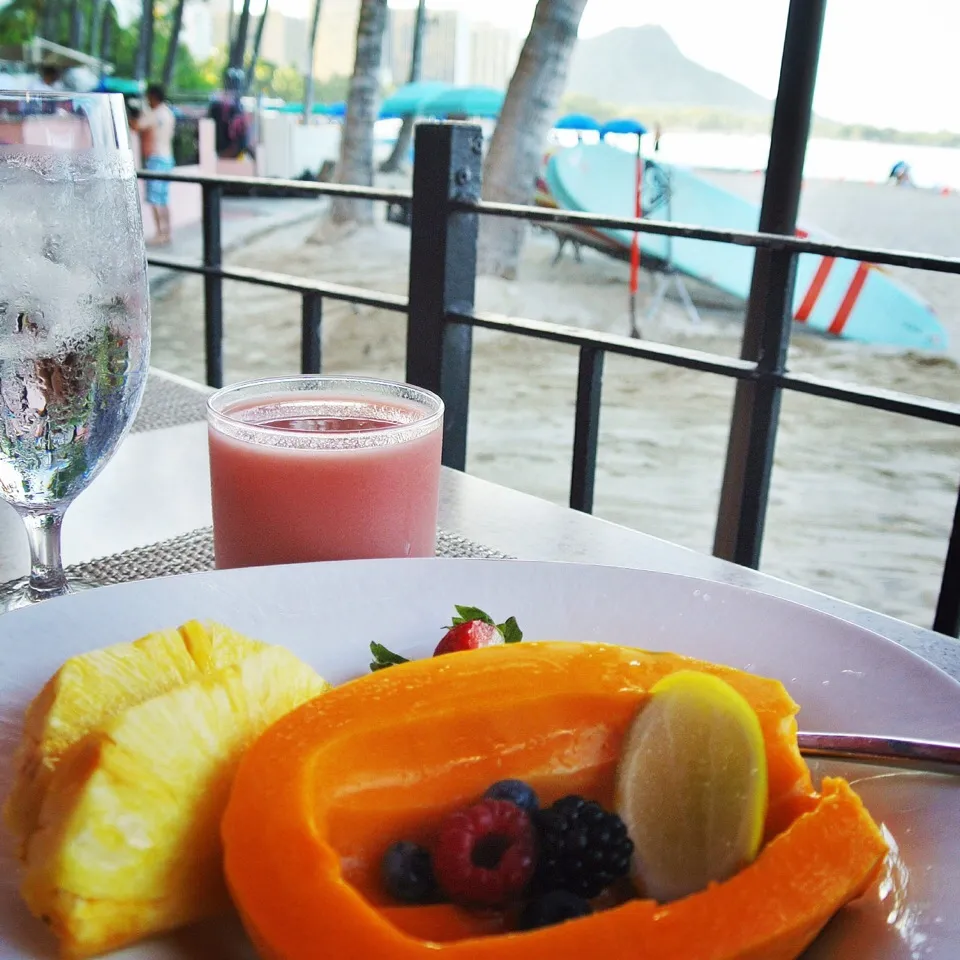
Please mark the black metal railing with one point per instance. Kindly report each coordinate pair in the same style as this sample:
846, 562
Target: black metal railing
445, 207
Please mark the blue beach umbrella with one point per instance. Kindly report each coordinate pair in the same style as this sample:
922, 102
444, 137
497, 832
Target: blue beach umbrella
576, 121
623, 125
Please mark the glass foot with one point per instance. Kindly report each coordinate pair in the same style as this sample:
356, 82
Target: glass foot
19, 593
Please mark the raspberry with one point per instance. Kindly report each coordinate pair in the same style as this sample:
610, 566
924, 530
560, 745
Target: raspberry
485, 855
583, 848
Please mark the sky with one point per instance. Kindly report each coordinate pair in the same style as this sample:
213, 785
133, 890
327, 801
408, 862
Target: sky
883, 62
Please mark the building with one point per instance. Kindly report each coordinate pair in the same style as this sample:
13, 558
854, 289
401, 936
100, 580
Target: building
196, 31
455, 50
446, 46
493, 55
336, 39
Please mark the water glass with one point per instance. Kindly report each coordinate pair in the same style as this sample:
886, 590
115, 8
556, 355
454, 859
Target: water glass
74, 311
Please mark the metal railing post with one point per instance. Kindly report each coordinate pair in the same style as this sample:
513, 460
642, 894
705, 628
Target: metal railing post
443, 272
311, 341
947, 617
212, 285
766, 335
586, 430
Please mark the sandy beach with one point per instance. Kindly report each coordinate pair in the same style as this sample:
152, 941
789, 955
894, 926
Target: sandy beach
861, 502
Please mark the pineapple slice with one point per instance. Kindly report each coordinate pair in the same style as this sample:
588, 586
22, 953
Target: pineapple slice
128, 839
91, 688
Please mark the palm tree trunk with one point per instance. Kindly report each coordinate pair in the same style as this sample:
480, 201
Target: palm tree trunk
308, 71
257, 41
93, 34
516, 149
141, 69
106, 38
50, 16
149, 14
405, 136
356, 144
239, 47
76, 25
170, 60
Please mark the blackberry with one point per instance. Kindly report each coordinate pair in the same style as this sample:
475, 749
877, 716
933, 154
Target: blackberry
583, 848
558, 906
407, 873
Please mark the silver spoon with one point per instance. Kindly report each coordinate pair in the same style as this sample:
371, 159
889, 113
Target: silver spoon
930, 756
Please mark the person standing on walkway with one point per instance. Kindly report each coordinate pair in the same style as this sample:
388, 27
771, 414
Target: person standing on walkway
156, 127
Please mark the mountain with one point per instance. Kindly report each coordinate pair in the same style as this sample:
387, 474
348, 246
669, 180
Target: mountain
630, 66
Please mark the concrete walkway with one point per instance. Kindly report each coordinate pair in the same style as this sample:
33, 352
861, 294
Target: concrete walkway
243, 219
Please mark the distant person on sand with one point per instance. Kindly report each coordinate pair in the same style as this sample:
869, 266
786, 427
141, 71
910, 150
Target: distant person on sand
156, 128
656, 138
900, 174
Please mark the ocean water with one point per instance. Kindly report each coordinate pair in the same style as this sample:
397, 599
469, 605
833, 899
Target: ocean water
858, 160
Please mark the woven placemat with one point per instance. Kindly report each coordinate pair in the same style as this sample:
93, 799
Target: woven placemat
193, 552
167, 403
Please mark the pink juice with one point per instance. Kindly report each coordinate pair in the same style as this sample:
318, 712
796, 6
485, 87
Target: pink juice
305, 476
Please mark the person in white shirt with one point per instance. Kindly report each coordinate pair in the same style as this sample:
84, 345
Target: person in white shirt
156, 127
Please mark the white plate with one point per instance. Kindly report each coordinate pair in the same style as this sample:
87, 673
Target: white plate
845, 678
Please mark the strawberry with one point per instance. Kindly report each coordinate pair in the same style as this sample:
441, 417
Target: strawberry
471, 629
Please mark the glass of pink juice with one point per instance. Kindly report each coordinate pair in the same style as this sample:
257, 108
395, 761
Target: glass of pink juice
323, 468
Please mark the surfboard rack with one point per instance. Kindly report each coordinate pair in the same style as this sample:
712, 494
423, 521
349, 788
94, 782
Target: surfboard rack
663, 280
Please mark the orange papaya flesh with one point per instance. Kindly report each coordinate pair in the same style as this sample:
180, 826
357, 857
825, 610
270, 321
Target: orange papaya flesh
318, 798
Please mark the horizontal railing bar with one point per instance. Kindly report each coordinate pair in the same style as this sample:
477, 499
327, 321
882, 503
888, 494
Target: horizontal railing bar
767, 241
266, 186
612, 343
282, 281
877, 398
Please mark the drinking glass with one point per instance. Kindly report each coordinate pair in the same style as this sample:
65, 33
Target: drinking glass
323, 468
74, 311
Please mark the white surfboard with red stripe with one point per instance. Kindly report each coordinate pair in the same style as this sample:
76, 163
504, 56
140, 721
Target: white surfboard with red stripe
861, 301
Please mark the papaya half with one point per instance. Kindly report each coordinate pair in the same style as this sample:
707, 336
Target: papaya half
321, 795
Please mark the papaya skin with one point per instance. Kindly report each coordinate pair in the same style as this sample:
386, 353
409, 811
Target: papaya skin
318, 798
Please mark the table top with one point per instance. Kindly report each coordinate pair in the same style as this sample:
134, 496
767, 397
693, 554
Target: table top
157, 487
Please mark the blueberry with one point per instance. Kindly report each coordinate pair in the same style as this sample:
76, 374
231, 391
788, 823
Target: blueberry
554, 907
517, 792
408, 872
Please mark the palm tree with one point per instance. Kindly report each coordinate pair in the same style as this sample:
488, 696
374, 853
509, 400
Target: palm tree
51, 14
404, 137
169, 61
141, 70
76, 25
356, 144
257, 41
516, 149
308, 74
149, 14
238, 48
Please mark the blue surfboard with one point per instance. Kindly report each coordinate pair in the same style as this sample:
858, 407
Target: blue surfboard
837, 297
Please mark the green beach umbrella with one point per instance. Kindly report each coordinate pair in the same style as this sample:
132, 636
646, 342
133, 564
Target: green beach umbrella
465, 101
411, 97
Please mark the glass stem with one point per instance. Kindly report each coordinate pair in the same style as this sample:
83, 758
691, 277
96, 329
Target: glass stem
47, 578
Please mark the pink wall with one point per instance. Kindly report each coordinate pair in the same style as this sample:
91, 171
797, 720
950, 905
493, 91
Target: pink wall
186, 205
